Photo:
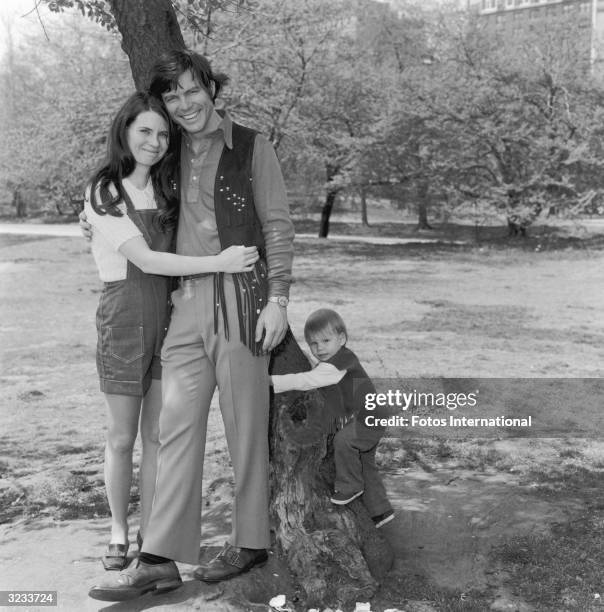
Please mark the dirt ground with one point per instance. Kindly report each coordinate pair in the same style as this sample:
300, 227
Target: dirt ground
412, 312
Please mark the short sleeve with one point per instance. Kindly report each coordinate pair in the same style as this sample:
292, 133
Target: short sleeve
114, 230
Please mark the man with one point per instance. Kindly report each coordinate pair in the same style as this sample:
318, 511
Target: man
222, 328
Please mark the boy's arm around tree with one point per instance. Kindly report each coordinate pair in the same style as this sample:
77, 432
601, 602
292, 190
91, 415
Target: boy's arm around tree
323, 375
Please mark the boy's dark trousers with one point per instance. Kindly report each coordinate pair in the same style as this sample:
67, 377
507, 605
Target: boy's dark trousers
354, 455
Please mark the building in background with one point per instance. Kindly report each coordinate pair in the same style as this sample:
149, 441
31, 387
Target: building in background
585, 16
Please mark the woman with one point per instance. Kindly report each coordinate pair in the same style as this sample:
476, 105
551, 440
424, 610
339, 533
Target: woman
132, 205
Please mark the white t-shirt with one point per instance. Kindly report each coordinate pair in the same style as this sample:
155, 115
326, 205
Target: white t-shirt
109, 232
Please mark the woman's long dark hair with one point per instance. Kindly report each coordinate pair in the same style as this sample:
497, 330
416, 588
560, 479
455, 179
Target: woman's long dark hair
120, 163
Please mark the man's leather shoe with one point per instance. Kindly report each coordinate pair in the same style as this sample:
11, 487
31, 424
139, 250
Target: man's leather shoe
231, 562
136, 580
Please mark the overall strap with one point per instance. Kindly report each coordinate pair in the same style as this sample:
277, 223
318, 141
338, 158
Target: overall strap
135, 217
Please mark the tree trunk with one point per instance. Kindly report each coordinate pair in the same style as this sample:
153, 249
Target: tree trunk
422, 205
337, 555
19, 204
330, 198
364, 219
148, 29
335, 552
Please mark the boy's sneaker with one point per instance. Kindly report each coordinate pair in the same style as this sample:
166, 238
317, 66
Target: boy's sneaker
382, 519
341, 499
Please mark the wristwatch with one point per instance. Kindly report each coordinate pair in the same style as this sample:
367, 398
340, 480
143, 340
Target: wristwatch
279, 299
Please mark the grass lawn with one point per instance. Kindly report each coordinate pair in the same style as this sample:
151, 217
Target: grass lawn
493, 308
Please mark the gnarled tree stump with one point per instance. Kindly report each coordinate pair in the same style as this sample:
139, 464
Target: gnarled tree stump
335, 552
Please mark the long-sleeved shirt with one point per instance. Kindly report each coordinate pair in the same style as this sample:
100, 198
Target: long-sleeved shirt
197, 231
322, 375
345, 384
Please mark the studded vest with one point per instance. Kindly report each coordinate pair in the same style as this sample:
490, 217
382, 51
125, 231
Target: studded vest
238, 223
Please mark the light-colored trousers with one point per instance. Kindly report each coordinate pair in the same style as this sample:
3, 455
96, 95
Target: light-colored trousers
195, 360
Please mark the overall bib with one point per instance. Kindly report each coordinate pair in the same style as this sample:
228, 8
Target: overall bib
132, 318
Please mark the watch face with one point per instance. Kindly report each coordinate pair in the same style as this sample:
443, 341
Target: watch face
283, 301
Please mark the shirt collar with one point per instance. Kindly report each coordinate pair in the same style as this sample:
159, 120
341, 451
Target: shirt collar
225, 126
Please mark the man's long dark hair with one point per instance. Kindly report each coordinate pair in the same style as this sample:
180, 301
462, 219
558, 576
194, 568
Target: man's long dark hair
171, 65
120, 163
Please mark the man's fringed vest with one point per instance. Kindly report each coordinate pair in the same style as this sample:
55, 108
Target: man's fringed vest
238, 223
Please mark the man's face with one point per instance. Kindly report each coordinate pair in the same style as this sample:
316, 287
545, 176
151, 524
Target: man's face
189, 105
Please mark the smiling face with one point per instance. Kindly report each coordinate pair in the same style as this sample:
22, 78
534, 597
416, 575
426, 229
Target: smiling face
189, 105
326, 343
148, 138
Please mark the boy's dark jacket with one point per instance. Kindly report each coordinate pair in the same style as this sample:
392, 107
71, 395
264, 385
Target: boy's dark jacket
347, 398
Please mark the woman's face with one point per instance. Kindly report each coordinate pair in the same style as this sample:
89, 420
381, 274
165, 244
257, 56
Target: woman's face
148, 138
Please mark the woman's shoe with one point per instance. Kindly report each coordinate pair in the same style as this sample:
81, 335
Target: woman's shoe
115, 557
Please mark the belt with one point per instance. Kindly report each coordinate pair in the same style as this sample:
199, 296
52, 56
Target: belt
190, 277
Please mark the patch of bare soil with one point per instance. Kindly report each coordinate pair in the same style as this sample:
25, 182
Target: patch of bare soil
411, 312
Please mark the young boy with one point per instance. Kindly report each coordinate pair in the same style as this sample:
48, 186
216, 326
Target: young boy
344, 383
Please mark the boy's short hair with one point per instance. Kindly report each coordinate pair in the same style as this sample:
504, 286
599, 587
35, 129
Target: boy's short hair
322, 319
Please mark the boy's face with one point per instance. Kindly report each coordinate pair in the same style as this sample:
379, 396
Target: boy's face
326, 343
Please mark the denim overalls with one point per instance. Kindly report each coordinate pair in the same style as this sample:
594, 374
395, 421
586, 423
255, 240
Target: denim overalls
132, 318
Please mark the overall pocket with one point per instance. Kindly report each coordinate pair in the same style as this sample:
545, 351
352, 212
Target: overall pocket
126, 344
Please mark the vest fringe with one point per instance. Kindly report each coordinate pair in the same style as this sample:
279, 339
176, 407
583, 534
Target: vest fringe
250, 294
220, 303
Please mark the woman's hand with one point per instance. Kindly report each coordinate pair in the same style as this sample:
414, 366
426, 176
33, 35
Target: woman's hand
85, 227
237, 259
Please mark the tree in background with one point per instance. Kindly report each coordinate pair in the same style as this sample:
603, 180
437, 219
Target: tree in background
519, 108
358, 99
299, 75
67, 86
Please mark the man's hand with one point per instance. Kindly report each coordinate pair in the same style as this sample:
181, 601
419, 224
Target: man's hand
273, 322
85, 227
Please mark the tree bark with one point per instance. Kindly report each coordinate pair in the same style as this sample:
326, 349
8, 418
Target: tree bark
19, 204
148, 28
335, 554
330, 199
364, 218
422, 205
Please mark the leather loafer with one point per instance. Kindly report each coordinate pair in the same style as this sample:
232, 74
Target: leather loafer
115, 557
137, 580
230, 562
